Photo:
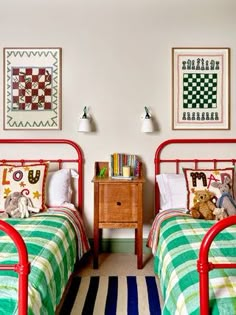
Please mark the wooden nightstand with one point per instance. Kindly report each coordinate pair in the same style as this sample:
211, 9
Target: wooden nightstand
118, 204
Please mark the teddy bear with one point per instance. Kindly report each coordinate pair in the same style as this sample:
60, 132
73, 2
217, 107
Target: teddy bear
220, 213
225, 200
203, 206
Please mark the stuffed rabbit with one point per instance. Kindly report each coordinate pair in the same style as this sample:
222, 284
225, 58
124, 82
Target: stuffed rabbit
19, 206
226, 200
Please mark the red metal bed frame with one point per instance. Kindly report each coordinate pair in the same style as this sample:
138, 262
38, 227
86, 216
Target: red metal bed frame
203, 264
23, 267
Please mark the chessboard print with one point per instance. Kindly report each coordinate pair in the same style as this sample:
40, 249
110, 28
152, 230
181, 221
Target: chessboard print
31, 88
200, 90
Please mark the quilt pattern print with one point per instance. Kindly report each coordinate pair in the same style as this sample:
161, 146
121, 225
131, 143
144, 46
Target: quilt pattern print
51, 242
31, 88
176, 265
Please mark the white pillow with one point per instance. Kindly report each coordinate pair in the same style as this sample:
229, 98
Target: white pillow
172, 190
58, 187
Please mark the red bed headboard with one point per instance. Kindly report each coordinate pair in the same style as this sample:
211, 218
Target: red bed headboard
185, 151
73, 156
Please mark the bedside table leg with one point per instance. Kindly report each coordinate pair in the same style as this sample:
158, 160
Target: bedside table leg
139, 247
136, 242
96, 248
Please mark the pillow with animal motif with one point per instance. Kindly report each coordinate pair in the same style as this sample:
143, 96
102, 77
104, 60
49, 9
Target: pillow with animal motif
201, 179
29, 180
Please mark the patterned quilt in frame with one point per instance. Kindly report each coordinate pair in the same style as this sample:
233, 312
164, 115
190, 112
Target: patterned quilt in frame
54, 240
176, 248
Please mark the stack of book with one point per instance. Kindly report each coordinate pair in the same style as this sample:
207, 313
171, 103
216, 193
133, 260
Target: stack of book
118, 160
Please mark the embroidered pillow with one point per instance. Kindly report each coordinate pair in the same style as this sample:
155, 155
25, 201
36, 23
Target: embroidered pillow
28, 180
204, 179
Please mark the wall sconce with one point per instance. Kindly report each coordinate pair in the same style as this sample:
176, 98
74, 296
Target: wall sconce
84, 123
147, 122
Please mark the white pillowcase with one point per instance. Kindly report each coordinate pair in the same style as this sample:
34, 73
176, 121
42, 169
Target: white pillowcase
58, 187
172, 190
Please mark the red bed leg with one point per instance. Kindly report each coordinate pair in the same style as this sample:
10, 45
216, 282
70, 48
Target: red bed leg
22, 268
203, 270
204, 266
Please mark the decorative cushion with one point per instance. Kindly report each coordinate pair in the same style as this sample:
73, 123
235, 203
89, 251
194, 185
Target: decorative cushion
173, 191
203, 178
27, 179
59, 188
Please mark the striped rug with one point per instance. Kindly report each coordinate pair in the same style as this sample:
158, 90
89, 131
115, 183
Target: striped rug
113, 295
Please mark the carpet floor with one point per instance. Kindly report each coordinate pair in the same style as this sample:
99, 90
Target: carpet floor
113, 295
116, 287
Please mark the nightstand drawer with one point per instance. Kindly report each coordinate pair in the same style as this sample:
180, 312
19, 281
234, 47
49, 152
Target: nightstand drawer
118, 203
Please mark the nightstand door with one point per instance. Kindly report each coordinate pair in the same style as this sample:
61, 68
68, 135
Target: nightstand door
118, 202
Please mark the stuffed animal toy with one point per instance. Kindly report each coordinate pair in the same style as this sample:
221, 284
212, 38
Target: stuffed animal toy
19, 206
220, 213
25, 206
226, 200
3, 215
11, 204
203, 206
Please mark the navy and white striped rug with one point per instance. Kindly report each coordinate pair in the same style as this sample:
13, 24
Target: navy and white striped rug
113, 295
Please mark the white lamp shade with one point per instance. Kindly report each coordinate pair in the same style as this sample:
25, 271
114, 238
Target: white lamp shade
84, 125
147, 125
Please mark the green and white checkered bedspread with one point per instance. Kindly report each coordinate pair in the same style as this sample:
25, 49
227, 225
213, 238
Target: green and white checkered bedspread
54, 241
175, 242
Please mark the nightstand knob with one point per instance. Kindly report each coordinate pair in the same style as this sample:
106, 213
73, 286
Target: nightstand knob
118, 203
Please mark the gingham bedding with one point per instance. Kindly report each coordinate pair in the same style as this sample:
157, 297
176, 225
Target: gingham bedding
54, 240
175, 242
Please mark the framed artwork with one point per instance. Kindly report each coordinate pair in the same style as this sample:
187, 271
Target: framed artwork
32, 88
200, 88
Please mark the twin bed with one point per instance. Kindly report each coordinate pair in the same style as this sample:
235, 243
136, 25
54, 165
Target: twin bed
49, 243
181, 244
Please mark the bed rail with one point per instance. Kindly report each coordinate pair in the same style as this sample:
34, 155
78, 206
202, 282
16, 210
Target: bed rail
22, 268
203, 264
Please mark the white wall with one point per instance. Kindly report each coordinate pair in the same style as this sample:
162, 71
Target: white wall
117, 59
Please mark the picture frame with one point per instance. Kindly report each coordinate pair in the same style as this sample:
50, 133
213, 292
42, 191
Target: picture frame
32, 88
200, 88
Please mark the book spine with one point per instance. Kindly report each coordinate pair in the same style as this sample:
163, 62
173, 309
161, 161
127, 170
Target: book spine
120, 163
137, 168
112, 165
115, 164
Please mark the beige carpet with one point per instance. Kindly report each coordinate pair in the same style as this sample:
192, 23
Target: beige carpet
117, 264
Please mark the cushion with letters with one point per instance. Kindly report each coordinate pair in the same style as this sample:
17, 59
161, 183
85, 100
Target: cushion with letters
29, 180
202, 179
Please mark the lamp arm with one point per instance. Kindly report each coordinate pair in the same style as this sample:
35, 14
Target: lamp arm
147, 116
85, 116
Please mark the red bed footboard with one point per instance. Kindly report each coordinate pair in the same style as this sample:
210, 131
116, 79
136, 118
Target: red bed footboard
22, 268
204, 266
